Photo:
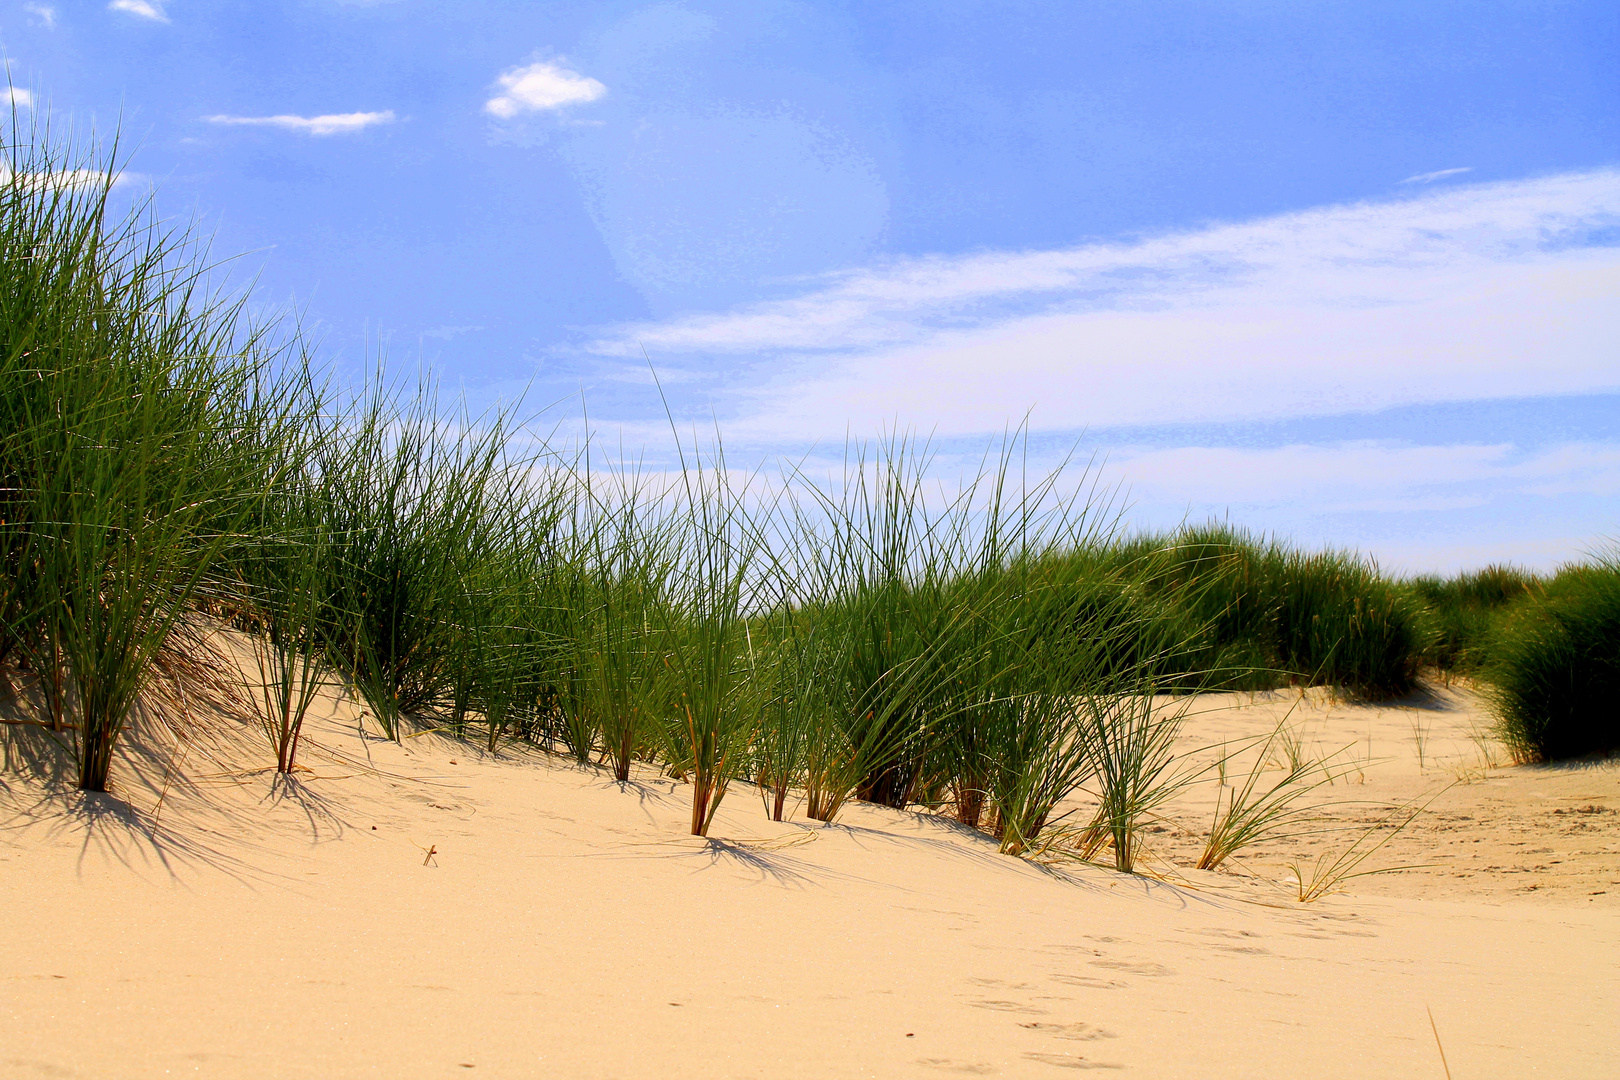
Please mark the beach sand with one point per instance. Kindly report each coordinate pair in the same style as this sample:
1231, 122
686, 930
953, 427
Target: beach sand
209, 920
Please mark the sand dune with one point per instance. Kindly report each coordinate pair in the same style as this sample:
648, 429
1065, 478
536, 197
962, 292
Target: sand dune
564, 926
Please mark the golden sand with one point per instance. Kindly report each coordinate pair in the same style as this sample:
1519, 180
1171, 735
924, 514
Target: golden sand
207, 920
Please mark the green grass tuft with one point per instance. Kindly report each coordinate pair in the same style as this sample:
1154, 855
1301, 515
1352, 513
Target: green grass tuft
1554, 666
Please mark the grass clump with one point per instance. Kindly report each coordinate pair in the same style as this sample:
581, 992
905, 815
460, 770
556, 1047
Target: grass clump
1255, 810
608, 598
417, 515
286, 570
140, 420
1463, 612
1237, 611
1330, 870
712, 704
1129, 741
1554, 666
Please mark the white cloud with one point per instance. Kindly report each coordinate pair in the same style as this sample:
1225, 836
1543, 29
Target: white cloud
330, 124
67, 179
44, 13
18, 98
143, 9
1222, 475
1366, 476
1441, 174
1490, 503
538, 87
1546, 554
1576, 469
1469, 293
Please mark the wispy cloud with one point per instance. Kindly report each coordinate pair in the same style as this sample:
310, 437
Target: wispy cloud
1542, 553
68, 179
141, 9
447, 333
18, 98
1431, 177
541, 87
1359, 476
1468, 293
330, 124
44, 13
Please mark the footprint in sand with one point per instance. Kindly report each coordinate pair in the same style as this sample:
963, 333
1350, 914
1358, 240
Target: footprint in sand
1064, 1061
972, 1068
1001, 982
1077, 1032
1091, 983
1222, 932
1008, 1006
1134, 967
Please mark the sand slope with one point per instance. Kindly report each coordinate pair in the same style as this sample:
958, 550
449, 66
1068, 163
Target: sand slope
565, 927
1491, 833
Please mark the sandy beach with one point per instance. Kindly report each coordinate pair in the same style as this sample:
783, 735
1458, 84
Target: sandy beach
807, 540
426, 909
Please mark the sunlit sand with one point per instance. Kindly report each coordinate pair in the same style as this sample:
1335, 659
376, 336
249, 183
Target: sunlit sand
425, 909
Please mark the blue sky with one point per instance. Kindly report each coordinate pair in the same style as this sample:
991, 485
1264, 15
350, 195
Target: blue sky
1349, 272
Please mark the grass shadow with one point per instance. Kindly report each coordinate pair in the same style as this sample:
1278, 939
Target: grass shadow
1424, 695
109, 829
953, 839
319, 812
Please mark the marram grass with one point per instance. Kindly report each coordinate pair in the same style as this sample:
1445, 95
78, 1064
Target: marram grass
984, 645
1553, 674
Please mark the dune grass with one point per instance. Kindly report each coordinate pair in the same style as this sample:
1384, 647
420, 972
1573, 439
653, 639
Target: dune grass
986, 644
1464, 609
1328, 872
614, 575
715, 690
1255, 809
139, 418
285, 567
1554, 667
1265, 614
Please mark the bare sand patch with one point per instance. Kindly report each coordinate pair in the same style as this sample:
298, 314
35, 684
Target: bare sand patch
1490, 832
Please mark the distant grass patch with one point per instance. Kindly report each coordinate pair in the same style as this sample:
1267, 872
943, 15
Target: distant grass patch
1228, 609
1463, 612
